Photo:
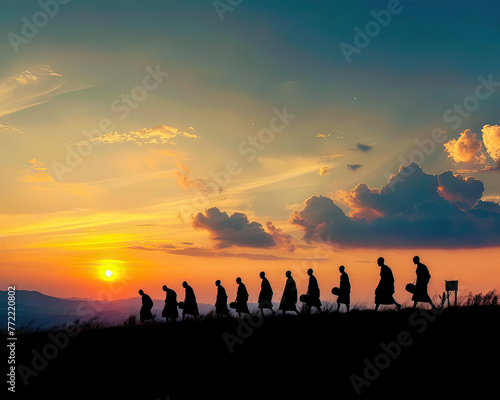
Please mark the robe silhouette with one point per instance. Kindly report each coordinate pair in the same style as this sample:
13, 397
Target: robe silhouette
170, 308
242, 299
423, 278
313, 292
190, 304
221, 301
385, 289
289, 298
344, 289
147, 305
266, 294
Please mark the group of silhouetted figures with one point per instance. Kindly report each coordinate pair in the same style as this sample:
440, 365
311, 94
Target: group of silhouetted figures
384, 294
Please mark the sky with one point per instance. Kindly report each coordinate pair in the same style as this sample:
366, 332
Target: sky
202, 140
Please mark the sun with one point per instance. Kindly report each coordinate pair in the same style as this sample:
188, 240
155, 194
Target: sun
109, 270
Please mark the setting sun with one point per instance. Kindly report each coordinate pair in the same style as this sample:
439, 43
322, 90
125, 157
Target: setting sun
108, 273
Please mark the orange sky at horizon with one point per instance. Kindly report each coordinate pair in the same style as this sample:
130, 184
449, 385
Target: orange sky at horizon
80, 273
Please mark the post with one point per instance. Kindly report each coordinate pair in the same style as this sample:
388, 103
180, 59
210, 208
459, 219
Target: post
451, 286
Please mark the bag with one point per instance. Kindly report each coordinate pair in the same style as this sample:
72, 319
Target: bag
232, 305
180, 304
410, 288
336, 291
304, 298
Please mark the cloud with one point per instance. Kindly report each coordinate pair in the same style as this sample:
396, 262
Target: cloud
234, 230
466, 149
363, 147
413, 210
183, 180
37, 172
203, 252
160, 134
323, 171
9, 129
491, 140
330, 156
354, 167
237, 230
282, 239
28, 88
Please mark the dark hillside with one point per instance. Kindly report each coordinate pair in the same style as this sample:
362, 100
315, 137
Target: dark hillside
384, 355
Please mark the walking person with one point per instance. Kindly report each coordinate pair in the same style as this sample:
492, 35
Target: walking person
385, 289
312, 292
241, 298
289, 298
190, 304
221, 300
265, 295
147, 304
423, 278
170, 311
344, 289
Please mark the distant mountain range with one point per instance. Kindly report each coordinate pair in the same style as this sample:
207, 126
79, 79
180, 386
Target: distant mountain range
39, 311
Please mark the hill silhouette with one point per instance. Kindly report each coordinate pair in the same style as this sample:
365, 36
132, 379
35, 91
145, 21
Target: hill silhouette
409, 353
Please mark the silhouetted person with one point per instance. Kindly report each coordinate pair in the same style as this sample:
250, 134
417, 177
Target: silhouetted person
190, 305
344, 289
312, 292
147, 305
221, 301
241, 298
265, 295
423, 278
170, 311
385, 289
289, 298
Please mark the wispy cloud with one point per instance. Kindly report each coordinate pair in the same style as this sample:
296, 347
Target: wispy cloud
160, 134
203, 252
28, 88
37, 172
9, 129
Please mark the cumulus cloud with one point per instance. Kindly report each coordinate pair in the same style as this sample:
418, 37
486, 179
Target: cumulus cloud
467, 148
413, 210
282, 239
234, 230
160, 134
491, 140
363, 147
354, 167
237, 230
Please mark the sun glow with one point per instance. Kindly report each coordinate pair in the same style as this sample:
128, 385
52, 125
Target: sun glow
110, 269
